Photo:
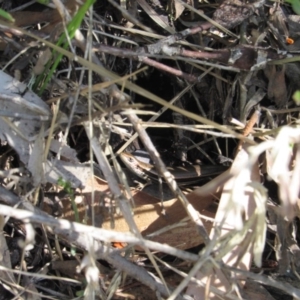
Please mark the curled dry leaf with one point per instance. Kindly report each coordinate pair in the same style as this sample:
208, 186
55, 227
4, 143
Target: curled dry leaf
235, 217
284, 168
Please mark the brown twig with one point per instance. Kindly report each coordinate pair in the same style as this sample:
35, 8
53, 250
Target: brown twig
248, 128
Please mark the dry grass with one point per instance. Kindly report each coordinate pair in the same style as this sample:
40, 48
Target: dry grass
96, 69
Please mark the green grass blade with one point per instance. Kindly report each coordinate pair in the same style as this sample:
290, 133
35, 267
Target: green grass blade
62, 42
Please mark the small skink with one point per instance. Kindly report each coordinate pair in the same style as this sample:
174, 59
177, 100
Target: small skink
183, 175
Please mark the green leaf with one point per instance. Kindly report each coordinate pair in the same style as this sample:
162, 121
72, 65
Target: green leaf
6, 15
295, 5
296, 97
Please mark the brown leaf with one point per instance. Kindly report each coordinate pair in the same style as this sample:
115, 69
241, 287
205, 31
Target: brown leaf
276, 86
148, 215
149, 219
179, 8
